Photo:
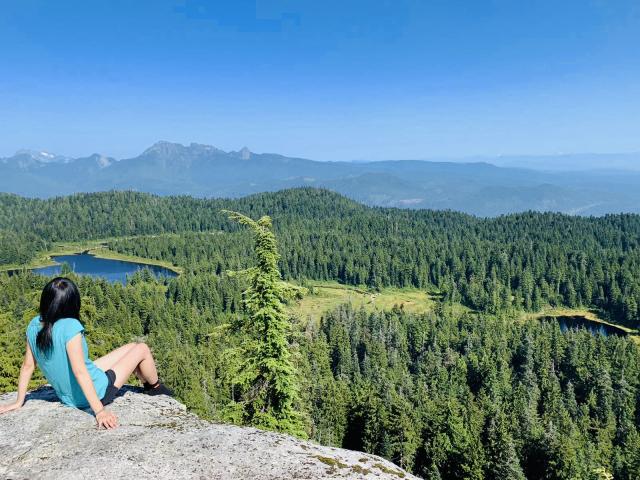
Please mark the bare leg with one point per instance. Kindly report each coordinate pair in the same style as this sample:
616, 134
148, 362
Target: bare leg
107, 361
138, 359
110, 359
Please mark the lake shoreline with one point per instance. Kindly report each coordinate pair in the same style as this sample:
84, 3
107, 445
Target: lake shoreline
96, 248
586, 316
111, 270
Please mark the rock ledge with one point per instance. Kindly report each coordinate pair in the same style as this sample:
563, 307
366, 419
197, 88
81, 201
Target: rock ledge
159, 439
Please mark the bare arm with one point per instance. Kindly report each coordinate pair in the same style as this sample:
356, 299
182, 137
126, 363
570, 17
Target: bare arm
26, 371
76, 359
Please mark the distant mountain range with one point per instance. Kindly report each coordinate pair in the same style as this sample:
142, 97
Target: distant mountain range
479, 188
568, 162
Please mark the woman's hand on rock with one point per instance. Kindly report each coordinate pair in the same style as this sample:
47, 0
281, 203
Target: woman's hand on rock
9, 408
106, 419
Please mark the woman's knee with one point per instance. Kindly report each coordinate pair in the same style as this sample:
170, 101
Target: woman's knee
144, 349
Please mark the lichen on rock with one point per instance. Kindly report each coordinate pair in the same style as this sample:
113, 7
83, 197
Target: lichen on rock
159, 439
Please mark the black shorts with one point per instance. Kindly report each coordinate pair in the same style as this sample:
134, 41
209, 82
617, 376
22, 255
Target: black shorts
112, 390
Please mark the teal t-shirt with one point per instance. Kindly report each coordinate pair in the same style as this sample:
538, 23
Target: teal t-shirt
56, 366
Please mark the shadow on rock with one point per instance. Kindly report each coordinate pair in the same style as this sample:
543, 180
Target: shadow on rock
48, 394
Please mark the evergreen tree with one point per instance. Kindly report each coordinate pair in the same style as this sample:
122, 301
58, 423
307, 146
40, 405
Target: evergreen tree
502, 459
267, 378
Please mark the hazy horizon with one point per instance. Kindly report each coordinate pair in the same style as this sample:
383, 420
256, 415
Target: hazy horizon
544, 162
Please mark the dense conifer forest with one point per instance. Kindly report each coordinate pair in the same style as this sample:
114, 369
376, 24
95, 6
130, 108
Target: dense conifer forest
519, 261
454, 393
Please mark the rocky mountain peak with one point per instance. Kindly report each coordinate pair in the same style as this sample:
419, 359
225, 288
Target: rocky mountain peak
40, 155
102, 160
204, 148
159, 439
26, 158
164, 148
170, 149
245, 153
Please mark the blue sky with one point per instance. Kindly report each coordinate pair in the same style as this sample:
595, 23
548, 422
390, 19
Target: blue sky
334, 80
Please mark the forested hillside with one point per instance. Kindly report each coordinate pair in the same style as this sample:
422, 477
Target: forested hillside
453, 393
445, 395
520, 261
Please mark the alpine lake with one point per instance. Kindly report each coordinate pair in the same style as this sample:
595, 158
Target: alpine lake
572, 322
114, 271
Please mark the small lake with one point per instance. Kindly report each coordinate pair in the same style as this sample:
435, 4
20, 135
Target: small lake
573, 322
111, 270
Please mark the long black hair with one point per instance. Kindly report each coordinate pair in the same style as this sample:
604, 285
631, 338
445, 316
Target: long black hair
60, 299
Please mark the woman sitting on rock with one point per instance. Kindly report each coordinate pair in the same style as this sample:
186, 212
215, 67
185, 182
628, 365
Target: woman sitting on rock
56, 343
